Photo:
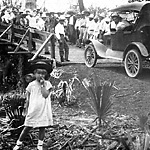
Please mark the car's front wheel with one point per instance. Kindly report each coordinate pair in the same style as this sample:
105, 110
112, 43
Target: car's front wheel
133, 63
90, 56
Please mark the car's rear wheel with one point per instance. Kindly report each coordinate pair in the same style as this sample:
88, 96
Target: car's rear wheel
90, 56
133, 63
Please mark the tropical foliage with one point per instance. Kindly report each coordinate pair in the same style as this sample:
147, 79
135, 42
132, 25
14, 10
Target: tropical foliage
100, 94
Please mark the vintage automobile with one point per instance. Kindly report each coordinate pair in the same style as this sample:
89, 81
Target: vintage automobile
131, 45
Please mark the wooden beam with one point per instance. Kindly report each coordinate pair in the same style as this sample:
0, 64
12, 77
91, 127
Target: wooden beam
17, 48
42, 47
6, 30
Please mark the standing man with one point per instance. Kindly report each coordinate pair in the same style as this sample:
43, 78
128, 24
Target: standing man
71, 25
60, 34
96, 28
77, 29
90, 26
82, 25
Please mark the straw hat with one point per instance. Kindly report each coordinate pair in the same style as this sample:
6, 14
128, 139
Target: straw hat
102, 15
91, 16
62, 17
71, 12
86, 12
115, 14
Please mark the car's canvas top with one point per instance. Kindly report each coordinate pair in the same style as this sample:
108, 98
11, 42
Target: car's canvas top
135, 6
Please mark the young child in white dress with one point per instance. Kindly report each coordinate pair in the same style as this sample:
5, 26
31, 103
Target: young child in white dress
38, 106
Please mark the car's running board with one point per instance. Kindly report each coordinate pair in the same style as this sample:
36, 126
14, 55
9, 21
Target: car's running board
118, 55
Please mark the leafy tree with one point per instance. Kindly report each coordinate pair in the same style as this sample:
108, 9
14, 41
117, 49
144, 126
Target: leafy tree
97, 10
81, 5
30, 4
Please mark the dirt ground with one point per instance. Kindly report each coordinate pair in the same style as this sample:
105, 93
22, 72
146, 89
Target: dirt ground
130, 96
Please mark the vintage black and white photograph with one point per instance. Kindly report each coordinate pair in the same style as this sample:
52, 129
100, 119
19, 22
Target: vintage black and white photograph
74, 75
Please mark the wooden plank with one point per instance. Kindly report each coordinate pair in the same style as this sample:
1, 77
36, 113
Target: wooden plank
42, 46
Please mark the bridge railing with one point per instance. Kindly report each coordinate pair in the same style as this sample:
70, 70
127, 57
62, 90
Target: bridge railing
17, 34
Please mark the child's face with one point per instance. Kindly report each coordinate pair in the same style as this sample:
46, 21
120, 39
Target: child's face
28, 79
40, 74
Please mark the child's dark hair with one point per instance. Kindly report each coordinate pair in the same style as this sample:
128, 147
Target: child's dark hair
44, 71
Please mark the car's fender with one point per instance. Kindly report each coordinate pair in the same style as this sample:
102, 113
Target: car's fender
142, 49
99, 48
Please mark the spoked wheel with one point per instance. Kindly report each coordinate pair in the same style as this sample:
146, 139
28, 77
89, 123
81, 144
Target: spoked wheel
90, 56
133, 63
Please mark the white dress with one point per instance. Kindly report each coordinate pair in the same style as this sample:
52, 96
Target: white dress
39, 111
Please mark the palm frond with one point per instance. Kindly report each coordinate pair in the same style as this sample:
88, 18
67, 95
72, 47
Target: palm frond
100, 95
106, 102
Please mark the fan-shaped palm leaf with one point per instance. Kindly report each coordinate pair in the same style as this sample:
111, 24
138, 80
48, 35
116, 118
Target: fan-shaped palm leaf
100, 95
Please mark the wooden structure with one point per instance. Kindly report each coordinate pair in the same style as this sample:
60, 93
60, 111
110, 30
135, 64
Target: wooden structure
16, 54
17, 35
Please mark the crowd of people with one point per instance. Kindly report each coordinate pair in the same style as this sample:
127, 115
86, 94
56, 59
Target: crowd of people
70, 27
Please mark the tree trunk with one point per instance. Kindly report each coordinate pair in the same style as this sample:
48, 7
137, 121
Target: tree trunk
30, 4
81, 5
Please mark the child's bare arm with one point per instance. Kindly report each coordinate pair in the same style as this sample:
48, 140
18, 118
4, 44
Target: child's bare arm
45, 93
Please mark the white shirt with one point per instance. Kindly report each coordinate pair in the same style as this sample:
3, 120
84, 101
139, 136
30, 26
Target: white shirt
96, 26
6, 17
71, 20
32, 21
83, 22
59, 29
77, 24
121, 25
105, 25
40, 23
90, 25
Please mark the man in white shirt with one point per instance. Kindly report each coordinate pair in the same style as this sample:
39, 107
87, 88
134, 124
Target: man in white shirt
90, 26
77, 29
105, 26
117, 22
60, 34
71, 25
6, 18
82, 25
96, 27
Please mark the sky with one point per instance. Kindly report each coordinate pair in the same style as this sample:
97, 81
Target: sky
63, 5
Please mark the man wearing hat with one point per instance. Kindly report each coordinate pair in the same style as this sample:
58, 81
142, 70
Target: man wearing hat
90, 26
117, 22
83, 23
77, 28
60, 34
96, 27
71, 27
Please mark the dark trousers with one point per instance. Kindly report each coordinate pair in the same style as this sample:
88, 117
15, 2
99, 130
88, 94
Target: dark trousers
63, 49
72, 34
